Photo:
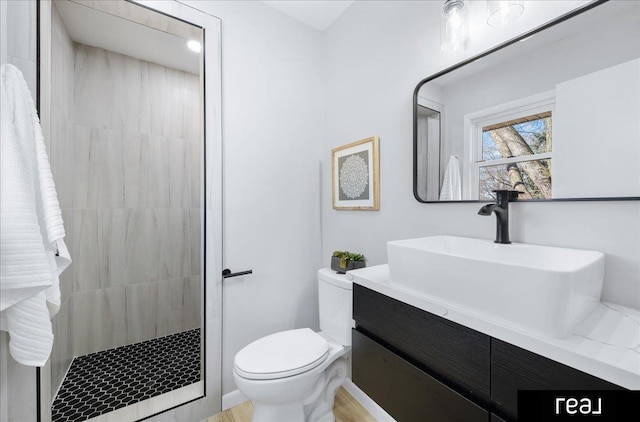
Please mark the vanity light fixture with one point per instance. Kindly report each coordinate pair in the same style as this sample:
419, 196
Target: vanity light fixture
194, 46
503, 12
454, 25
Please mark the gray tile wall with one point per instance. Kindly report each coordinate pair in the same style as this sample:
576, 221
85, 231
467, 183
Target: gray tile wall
61, 121
126, 157
134, 155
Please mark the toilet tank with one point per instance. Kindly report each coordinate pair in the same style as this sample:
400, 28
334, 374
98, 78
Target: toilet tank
335, 301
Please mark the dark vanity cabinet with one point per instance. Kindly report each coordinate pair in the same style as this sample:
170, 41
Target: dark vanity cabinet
421, 367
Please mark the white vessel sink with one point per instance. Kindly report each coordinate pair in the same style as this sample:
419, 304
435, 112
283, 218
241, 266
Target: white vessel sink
536, 288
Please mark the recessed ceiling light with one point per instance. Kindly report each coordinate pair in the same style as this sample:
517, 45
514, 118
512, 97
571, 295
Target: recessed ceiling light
194, 45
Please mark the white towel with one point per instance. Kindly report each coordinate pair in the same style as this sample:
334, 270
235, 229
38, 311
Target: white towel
451, 185
32, 249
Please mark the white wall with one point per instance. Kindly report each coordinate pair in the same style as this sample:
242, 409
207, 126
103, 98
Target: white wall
613, 146
272, 114
375, 54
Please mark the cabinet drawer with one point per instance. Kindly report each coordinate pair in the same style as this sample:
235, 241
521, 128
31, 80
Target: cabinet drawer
513, 369
455, 354
404, 391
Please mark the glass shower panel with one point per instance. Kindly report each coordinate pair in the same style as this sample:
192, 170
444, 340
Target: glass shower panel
127, 156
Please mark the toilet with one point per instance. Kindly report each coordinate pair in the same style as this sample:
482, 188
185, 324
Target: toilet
293, 376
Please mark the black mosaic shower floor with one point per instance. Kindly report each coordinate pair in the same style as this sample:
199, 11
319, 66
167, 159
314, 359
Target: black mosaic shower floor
105, 381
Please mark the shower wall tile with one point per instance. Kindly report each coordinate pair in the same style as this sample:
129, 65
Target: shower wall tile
159, 100
99, 253
166, 118
99, 257
62, 64
142, 311
86, 256
170, 306
192, 108
109, 90
157, 244
98, 168
173, 110
112, 230
62, 351
180, 179
96, 86
185, 173
133, 163
143, 123
169, 102
146, 171
174, 237
129, 80
66, 278
99, 320
61, 110
160, 308
61, 156
142, 246
196, 217
192, 303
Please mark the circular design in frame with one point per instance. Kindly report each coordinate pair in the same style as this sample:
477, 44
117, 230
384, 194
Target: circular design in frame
354, 177
355, 180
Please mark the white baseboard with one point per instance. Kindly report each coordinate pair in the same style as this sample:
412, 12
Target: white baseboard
233, 398
371, 406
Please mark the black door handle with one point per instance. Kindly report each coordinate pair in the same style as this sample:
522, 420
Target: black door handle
226, 273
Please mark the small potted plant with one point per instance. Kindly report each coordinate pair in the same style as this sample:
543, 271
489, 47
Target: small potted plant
343, 261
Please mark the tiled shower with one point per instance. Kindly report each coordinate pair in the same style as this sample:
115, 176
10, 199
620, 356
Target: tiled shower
126, 156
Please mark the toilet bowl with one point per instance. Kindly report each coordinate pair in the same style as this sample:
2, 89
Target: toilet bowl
292, 376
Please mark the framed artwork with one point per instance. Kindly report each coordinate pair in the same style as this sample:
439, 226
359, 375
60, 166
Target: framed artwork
355, 176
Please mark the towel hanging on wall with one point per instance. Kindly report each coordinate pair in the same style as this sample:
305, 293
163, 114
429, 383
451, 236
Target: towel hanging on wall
451, 185
32, 250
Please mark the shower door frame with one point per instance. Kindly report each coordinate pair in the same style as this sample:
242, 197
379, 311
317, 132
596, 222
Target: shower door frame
211, 282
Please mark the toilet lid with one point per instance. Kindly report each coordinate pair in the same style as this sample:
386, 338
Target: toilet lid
281, 355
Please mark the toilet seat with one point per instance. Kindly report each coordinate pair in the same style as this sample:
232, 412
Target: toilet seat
281, 355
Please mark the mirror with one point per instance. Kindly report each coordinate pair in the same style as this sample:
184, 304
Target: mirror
553, 114
127, 154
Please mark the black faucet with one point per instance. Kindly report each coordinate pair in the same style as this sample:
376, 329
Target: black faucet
501, 208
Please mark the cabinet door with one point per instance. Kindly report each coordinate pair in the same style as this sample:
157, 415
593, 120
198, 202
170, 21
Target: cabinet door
455, 354
496, 418
513, 369
404, 391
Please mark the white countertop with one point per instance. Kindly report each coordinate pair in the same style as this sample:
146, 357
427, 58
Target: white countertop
606, 344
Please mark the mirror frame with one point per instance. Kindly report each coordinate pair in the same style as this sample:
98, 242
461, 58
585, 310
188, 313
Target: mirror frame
505, 44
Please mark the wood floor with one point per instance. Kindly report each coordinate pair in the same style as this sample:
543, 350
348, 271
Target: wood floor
346, 409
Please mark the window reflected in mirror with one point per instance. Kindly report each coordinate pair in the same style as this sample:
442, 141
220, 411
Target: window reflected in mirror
523, 147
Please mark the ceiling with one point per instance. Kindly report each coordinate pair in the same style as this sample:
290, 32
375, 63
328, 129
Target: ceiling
118, 30
317, 14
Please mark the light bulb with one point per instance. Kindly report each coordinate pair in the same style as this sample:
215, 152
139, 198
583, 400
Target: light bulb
454, 33
194, 46
503, 12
